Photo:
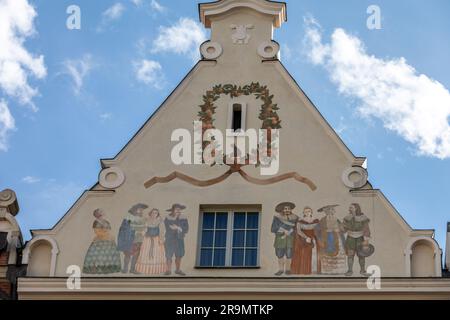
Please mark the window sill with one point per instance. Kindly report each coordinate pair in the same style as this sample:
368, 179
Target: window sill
227, 268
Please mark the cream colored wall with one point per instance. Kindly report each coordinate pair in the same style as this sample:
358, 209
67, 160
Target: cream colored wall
307, 147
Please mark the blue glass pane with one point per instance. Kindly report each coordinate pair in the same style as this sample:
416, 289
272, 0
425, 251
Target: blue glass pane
207, 238
221, 220
219, 258
239, 220
238, 239
221, 239
251, 258
252, 239
206, 258
252, 220
208, 220
237, 259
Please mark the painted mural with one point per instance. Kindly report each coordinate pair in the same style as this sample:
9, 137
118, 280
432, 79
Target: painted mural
152, 255
102, 256
131, 237
177, 227
306, 244
309, 245
147, 244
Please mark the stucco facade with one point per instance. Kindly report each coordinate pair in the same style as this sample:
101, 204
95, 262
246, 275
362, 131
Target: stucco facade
240, 66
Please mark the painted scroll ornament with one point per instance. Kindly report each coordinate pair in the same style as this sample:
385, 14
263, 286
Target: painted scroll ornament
234, 168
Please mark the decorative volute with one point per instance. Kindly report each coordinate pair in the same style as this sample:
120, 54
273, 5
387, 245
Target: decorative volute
8, 201
241, 30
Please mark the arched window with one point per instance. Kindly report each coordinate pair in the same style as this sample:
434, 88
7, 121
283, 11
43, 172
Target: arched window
40, 255
423, 258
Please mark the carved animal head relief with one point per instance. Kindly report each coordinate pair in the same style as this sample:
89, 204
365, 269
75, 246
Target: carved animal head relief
241, 35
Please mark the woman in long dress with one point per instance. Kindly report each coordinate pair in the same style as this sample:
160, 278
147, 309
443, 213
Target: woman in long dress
152, 258
102, 256
305, 260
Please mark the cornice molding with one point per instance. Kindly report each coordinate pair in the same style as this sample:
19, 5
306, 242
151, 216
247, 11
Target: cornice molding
275, 9
111, 288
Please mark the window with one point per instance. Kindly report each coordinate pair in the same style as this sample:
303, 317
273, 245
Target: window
229, 239
237, 116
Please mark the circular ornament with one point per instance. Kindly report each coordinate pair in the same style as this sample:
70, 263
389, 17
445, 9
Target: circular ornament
211, 50
111, 178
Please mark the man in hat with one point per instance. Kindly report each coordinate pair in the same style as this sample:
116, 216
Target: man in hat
131, 236
176, 228
283, 226
356, 225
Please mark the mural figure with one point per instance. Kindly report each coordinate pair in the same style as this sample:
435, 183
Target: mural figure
331, 242
305, 258
102, 256
356, 225
283, 226
177, 226
152, 258
130, 237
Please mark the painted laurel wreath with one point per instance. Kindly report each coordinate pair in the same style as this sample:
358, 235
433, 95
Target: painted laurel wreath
270, 121
268, 114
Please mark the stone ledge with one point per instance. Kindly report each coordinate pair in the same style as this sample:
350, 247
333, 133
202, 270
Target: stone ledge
213, 288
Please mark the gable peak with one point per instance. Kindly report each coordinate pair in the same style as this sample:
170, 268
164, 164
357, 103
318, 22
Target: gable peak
272, 8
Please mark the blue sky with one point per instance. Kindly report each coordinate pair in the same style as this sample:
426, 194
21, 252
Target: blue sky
94, 88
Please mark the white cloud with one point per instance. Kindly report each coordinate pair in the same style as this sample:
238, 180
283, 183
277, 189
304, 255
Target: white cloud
111, 14
114, 12
156, 6
30, 179
7, 125
105, 116
16, 63
184, 37
78, 69
286, 52
412, 105
149, 72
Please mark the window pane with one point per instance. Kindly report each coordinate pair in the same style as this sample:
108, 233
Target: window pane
219, 258
237, 116
239, 220
208, 220
250, 258
221, 220
207, 239
238, 239
206, 258
221, 239
237, 259
252, 239
252, 220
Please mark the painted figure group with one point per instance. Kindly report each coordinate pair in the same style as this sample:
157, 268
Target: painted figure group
147, 242
309, 245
